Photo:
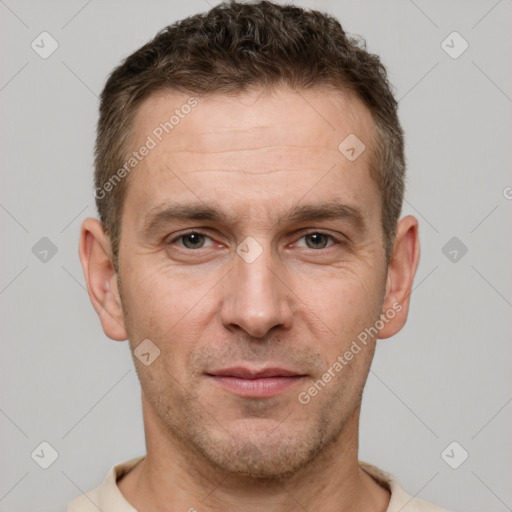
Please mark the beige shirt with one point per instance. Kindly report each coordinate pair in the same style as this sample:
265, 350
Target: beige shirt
108, 498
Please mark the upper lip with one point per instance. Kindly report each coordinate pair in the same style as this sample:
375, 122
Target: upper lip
243, 372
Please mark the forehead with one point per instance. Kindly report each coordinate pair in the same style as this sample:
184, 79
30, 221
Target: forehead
255, 115
252, 148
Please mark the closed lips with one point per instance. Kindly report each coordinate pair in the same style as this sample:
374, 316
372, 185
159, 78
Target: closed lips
247, 373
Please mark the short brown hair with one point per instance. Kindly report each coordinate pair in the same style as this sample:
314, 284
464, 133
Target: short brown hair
235, 46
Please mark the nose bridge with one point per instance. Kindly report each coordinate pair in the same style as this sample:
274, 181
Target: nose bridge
256, 300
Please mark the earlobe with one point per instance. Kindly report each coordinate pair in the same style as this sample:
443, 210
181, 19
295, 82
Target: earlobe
401, 271
100, 277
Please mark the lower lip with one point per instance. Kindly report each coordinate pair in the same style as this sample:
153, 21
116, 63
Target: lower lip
264, 387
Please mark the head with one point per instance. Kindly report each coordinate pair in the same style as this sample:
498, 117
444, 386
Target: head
249, 180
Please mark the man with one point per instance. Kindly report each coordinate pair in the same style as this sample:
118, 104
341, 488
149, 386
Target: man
249, 181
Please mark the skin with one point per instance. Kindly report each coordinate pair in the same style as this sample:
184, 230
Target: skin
299, 305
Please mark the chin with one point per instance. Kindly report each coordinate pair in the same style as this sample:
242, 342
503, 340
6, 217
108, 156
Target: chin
261, 455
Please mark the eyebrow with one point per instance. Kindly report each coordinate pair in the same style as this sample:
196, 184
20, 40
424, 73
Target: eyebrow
330, 210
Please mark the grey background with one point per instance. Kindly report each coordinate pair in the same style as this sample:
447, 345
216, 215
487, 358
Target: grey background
446, 377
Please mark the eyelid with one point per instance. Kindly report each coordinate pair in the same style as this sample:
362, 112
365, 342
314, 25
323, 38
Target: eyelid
335, 239
307, 231
175, 238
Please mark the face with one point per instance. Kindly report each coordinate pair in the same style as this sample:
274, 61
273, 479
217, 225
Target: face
252, 257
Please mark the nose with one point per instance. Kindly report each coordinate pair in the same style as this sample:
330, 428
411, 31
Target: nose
256, 298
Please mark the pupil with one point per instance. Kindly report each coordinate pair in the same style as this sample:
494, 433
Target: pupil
317, 239
193, 238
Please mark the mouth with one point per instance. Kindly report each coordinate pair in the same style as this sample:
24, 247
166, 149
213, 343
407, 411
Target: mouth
252, 383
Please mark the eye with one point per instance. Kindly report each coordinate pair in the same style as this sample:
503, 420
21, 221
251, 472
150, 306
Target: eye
191, 240
317, 240
197, 240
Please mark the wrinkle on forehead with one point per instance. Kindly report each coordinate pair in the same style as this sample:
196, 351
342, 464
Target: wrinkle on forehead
265, 147
273, 119
262, 161
294, 134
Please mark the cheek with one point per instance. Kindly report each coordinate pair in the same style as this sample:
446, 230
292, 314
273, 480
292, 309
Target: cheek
157, 300
170, 310
346, 303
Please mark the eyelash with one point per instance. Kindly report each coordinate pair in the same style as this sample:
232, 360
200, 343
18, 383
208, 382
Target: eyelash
331, 237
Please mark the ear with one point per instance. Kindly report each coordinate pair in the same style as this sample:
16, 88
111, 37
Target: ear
100, 276
401, 271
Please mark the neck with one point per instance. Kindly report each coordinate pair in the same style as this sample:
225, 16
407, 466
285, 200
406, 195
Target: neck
171, 477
